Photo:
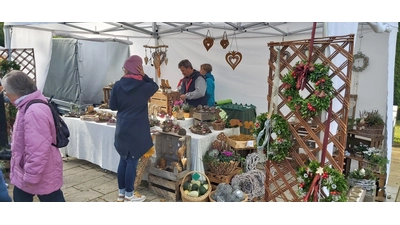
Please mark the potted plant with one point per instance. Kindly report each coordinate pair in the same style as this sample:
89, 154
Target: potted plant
222, 162
375, 160
370, 123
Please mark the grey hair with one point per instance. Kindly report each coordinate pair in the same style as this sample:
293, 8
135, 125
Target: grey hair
18, 83
185, 63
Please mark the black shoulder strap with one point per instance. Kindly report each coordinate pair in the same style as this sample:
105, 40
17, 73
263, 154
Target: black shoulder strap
35, 101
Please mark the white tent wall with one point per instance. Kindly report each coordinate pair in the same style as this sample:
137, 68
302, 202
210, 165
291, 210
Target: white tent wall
22, 38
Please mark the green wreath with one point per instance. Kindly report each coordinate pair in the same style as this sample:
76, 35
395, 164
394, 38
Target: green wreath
365, 58
278, 147
332, 180
317, 101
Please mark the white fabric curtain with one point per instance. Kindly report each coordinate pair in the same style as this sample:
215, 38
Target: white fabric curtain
22, 38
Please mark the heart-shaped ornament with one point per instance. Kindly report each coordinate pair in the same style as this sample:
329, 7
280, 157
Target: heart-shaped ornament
224, 43
233, 58
146, 59
208, 42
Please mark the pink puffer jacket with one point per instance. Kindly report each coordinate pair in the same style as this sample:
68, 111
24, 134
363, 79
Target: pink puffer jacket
36, 165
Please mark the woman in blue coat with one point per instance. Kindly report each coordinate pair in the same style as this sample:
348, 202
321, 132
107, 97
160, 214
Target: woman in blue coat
205, 70
4, 196
130, 96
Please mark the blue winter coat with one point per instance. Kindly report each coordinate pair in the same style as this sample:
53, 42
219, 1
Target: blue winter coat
210, 91
130, 97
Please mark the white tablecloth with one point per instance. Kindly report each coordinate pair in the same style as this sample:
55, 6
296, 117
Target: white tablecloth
94, 142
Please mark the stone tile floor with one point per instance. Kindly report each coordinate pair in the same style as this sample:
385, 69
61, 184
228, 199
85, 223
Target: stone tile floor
87, 182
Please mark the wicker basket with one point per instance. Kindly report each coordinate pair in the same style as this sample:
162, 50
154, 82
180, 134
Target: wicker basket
246, 198
365, 184
222, 168
372, 131
218, 126
187, 198
142, 164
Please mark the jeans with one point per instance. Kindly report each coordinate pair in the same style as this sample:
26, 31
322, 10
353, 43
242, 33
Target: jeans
4, 196
126, 173
22, 196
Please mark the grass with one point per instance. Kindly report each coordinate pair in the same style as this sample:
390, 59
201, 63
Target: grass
396, 139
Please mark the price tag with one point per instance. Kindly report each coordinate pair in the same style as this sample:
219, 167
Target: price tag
250, 144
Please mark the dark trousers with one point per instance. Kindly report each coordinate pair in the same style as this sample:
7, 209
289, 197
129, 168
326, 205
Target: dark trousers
22, 196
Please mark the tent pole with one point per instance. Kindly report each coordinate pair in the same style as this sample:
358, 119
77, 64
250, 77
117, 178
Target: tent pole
154, 24
7, 40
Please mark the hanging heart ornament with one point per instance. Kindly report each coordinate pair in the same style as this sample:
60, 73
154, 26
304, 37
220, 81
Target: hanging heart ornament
208, 41
224, 42
146, 59
233, 58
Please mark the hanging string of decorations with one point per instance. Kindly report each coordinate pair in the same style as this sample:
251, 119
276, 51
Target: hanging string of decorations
208, 42
360, 56
233, 58
158, 56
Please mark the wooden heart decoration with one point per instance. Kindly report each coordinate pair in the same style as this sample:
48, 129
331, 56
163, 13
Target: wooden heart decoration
208, 42
233, 58
224, 43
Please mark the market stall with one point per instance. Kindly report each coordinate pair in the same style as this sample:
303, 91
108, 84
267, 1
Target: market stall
94, 142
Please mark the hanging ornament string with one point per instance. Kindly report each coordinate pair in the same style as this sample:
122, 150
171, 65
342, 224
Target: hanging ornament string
233, 58
302, 80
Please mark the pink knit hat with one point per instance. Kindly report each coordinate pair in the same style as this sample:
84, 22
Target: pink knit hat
132, 62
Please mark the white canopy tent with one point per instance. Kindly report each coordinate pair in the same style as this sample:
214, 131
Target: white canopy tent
247, 83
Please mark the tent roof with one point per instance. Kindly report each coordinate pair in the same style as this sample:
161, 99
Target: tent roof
159, 29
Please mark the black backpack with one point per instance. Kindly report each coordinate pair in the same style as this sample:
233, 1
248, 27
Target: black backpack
62, 130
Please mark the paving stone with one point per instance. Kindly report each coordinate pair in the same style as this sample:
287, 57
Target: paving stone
80, 177
73, 170
107, 187
69, 191
92, 183
83, 196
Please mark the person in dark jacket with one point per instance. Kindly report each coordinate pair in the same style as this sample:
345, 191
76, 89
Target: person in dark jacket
4, 196
130, 96
193, 85
205, 70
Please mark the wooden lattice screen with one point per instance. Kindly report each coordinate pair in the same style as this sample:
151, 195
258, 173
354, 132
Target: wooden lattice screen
307, 136
23, 57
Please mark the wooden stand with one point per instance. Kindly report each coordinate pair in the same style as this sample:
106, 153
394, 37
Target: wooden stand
165, 188
106, 94
165, 100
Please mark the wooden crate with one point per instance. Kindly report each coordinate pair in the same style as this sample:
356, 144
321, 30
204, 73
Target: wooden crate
165, 100
166, 146
217, 179
203, 116
165, 188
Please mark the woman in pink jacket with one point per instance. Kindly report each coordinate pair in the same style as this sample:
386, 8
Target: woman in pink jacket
36, 165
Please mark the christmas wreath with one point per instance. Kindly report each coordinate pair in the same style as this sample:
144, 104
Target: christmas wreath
279, 143
365, 59
331, 181
323, 89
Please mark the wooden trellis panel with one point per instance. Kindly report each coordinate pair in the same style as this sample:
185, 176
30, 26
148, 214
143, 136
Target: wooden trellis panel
24, 57
307, 136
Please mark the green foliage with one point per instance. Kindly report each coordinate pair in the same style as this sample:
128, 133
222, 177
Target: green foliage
396, 139
1, 34
363, 173
396, 97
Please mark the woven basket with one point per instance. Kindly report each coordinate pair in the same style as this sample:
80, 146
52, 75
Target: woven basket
246, 198
222, 168
372, 131
142, 164
187, 198
218, 126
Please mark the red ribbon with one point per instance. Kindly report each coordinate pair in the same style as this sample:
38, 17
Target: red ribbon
302, 79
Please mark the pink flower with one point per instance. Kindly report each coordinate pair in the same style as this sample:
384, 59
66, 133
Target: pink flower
227, 153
